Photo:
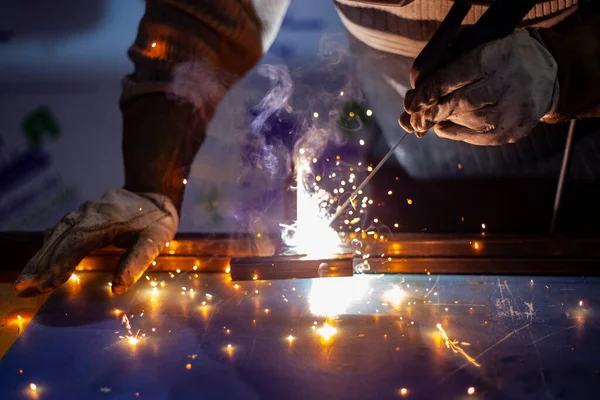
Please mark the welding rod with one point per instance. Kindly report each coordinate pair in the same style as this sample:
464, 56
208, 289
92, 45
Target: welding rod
367, 179
563, 175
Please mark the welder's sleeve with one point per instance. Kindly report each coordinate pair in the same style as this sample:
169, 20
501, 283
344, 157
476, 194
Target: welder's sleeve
577, 53
187, 55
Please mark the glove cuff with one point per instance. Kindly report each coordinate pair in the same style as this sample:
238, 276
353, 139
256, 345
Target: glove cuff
160, 139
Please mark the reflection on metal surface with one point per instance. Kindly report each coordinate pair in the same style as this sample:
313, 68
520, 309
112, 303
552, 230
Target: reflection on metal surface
332, 297
527, 339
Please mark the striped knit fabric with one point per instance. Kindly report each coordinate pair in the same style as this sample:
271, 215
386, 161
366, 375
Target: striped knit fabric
405, 30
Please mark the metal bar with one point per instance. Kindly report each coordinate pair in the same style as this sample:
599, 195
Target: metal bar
563, 175
287, 267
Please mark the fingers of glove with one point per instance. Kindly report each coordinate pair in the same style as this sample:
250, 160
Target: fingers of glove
404, 122
473, 97
60, 262
445, 81
136, 261
452, 131
30, 276
482, 121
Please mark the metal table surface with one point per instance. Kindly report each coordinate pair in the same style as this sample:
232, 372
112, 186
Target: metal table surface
507, 337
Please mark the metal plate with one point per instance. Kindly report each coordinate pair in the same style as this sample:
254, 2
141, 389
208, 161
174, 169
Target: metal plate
525, 339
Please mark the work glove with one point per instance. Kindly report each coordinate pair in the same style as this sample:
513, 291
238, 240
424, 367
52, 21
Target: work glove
143, 222
494, 94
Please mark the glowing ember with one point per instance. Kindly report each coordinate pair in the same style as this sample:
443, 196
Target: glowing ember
310, 234
326, 331
188, 366
132, 340
455, 347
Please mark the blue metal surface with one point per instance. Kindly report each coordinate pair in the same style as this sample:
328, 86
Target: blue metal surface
512, 338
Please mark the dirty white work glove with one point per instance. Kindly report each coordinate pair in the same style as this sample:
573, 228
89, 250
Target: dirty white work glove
495, 94
144, 221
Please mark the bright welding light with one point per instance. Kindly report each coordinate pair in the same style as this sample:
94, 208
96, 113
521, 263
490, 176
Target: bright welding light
394, 295
310, 234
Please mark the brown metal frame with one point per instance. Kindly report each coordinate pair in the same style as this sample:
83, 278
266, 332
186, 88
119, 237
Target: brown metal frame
403, 253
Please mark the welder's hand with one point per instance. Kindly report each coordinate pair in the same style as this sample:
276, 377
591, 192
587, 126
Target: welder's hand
142, 222
493, 95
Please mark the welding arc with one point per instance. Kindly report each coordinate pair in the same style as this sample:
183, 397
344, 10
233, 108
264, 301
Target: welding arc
367, 179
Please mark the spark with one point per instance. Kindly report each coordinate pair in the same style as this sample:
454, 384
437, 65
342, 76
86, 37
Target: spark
236, 286
403, 392
178, 270
396, 225
409, 201
109, 284
290, 338
167, 244
316, 115
229, 346
301, 151
476, 245
33, 386
351, 114
390, 192
132, 340
185, 181
361, 142
75, 278
471, 391
19, 317
227, 269
153, 44
375, 220
455, 347
482, 226
188, 366
580, 303
326, 331
369, 113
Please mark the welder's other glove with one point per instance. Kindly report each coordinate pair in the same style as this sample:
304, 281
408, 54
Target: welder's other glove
495, 94
144, 222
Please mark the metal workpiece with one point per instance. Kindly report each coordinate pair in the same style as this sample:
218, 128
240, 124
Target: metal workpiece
185, 335
290, 267
406, 253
